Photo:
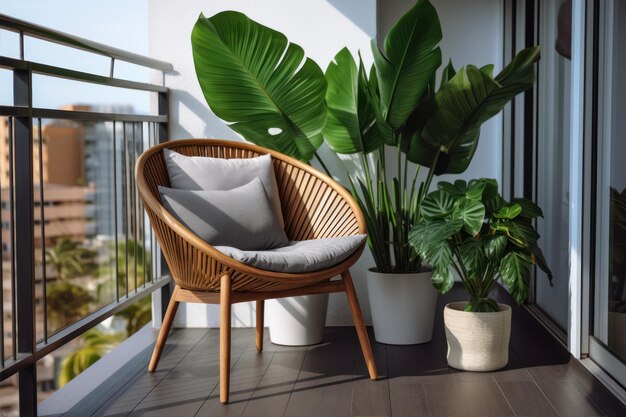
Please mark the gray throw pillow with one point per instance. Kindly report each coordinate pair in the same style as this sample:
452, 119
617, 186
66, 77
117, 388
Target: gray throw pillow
204, 173
242, 217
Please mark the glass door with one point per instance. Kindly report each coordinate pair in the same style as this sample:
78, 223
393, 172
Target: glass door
607, 345
553, 155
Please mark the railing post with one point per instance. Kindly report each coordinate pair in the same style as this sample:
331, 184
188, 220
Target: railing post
25, 243
163, 136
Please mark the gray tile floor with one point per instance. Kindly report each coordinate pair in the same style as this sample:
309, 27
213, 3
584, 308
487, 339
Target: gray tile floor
330, 379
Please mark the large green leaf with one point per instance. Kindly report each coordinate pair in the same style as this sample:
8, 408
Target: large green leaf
473, 255
530, 210
259, 83
350, 124
427, 235
410, 58
509, 211
437, 204
464, 103
515, 272
472, 213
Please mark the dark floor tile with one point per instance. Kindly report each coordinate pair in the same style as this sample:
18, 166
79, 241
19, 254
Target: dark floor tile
179, 344
519, 374
271, 395
371, 398
324, 385
568, 398
526, 399
330, 379
407, 398
182, 391
467, 399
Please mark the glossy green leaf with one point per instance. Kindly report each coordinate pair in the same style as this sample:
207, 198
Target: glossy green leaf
538, 259
510, 211
472, 213
442, 280
450, 189
520, 233
447, 74
260, 84
437, 204
469, 99
475, 190
410, 58
495, 246
473, 255
428, 235
530, 210
515, 272
351, 121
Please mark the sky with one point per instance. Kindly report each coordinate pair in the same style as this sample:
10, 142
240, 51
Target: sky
119, 23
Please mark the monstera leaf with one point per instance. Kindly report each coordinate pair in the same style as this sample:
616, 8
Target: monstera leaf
260, 84
471, 97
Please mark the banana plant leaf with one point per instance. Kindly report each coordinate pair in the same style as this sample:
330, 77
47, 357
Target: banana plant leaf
410, 58
259, 83
351, 120
471, 97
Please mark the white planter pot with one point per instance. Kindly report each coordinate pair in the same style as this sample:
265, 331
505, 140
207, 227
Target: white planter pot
477, 341
297, 321
403, 307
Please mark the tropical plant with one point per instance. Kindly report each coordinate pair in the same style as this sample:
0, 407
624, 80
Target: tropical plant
471, 229
137, 315
260, 83
66, 303
69, 258
396, 104
95, 344
130, 259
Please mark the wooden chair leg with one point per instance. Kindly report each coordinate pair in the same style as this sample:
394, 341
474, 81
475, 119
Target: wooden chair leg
260, 311
166, 326
359, 324
225, 309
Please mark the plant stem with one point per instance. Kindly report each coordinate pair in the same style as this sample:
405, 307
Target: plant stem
322, 164
368, 177
431, 173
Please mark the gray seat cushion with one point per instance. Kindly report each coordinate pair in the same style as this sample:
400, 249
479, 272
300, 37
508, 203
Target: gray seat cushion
204, 173
242, 217
298, 256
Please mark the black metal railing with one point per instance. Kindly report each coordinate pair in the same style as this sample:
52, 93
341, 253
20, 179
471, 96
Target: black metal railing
27, 205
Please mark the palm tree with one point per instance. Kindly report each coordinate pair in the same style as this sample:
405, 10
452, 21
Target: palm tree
66, 303
125, 259
69, 258
137, 315
96, 344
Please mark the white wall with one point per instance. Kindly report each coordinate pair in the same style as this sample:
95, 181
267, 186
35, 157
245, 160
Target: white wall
322, 28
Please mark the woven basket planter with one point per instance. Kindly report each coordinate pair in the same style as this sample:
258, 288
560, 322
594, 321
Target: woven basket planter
477, 341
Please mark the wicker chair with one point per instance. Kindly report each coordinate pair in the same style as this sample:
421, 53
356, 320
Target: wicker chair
314, 207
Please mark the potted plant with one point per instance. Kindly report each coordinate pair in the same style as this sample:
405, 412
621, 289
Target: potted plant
470, 229
390, 120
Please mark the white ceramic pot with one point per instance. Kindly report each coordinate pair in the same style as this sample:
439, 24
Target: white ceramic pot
477, 341
403, 307
297, 321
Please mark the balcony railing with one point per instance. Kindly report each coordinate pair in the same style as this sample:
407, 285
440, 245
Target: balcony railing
40, 205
